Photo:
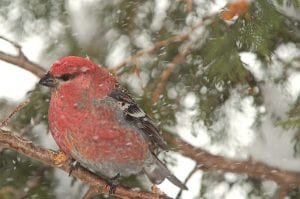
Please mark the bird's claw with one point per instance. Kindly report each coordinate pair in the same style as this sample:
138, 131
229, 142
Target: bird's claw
60, 158
156, 190
113, 182
74, 164
112, 189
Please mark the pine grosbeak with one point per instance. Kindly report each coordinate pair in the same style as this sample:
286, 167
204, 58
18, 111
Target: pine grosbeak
94, 120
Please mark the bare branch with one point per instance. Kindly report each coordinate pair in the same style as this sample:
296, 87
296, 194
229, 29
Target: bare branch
17, 109
249, 167
168, 71
47, 157
160, 44
196, 168
21, 60
179, 58
188, 5
283, 190
157, 45
23, 63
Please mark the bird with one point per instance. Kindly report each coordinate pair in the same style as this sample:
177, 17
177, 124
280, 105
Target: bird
95, 121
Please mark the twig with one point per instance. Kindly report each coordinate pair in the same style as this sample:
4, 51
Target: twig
15, 44
196, 168
157, 45
283, 190
17, 109
23, 63
47, 157
189, 5
160, 44
137, 67
35, 121
7, 189
23, 131
168, 71
179, 58
32, 183
21, 60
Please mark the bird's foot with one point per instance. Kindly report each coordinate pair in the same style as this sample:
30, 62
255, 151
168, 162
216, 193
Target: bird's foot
59, 158
156, 190
113, 183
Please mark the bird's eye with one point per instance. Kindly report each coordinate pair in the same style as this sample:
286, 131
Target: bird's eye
66, 77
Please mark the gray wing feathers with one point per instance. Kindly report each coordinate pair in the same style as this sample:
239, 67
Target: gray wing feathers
155, 169
139, 118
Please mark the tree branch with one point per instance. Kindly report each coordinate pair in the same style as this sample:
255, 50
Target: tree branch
18, 108
283, 191
23, 63
21, 60
249, 167
159, 44
165, 75
192, 172
47, 157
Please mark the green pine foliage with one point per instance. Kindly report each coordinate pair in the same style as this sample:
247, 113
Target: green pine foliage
37, 108
17, 172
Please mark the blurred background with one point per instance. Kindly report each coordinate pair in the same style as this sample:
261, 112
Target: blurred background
220, 75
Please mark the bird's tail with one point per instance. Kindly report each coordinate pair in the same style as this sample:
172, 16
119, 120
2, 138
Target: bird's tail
157, 172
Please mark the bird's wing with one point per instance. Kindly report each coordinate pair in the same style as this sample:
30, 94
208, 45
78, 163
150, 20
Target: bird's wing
136, 116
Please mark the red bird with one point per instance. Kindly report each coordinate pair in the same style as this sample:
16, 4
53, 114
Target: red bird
95, 121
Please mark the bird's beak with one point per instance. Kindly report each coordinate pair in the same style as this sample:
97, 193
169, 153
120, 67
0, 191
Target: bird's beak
48, 80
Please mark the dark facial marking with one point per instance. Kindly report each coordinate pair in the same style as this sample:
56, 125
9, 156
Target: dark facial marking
66, 77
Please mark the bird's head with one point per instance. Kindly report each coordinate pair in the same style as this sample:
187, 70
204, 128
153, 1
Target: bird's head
67, 68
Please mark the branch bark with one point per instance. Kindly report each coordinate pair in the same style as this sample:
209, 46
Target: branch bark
249, 167
21, 60
47, 157
24, 63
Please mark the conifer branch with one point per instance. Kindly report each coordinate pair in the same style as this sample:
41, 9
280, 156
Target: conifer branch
48, 157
